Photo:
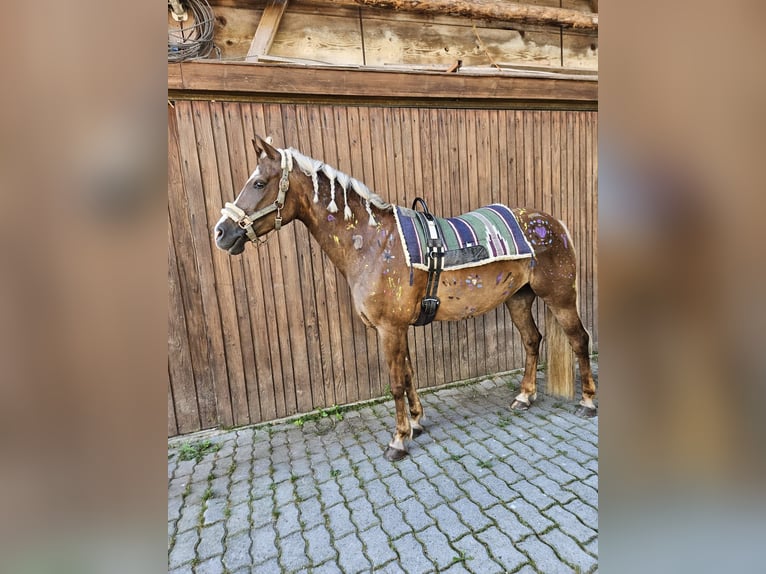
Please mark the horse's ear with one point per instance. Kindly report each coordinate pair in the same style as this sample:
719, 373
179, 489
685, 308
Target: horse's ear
264, 148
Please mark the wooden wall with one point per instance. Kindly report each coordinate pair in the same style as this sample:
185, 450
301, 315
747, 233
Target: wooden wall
319, 31
272, 333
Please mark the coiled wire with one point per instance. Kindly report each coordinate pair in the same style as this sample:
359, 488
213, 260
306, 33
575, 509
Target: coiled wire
195, 41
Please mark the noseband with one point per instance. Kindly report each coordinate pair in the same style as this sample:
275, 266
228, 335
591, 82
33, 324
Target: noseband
245, 221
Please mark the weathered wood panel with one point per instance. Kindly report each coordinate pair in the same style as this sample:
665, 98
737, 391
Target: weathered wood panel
297, 81
336, 34
273, 332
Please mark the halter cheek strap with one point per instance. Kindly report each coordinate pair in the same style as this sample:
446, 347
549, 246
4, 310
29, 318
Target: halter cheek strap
245, 221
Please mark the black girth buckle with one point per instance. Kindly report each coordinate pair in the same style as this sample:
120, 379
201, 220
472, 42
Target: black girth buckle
428, 308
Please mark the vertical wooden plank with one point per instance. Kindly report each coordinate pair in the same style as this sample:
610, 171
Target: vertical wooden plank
498, 363
518, 133
187, 214
386, 168
453, 143
465, 150
572, 192
246, 269
516, 139
528, 166
267, 120
347, 121
343, 297
556, 187
506, 167
288, 296
450, 183
580, 215
478, 153
328, 337
494, 324
499, 165
344, 371
428, 122
180, 369
421, 165
578, 203
592, 221
311, 391
172, 426
403, 153
594, 235
201, 147
235, 314
585, 194
437, 180
538, 157
268, 265
336, 145
359, 118
231, 357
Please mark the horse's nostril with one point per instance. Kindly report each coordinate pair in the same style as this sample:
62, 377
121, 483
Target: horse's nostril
218, 232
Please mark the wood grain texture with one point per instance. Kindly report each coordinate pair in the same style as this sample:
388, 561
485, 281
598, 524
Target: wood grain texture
489, 9
277, 323
409, 42
344, 34
234, 29
283, 79
267, 29
325, 38
175, 82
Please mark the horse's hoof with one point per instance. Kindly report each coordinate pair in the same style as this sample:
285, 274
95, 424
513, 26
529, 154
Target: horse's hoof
586, 412
394, 454
417, 431
518, 405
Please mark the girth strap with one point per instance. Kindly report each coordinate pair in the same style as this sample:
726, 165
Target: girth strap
430, 303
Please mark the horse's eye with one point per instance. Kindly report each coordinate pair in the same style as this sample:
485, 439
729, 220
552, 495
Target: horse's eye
260, 184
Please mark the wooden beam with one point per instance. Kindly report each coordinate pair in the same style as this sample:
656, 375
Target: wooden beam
175, 80
488, 9
291, 80
267, 29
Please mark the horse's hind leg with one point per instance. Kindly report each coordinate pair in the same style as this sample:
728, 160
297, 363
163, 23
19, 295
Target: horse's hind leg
520, 306
567, 316
416, 408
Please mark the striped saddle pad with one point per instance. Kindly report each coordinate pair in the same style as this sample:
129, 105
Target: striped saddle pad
479, 237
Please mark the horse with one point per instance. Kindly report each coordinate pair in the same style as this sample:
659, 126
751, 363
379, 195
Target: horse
364, 243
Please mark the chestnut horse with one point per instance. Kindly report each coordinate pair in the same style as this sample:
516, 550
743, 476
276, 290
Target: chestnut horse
363, 241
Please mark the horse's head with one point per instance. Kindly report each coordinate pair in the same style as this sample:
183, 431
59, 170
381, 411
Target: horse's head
261, 205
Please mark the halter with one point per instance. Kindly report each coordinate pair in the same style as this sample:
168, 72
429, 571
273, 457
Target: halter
245, 221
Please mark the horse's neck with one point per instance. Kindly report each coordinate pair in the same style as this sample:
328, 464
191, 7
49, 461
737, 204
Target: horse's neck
348, 243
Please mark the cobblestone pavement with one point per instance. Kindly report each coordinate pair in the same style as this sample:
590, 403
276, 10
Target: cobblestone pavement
484, 490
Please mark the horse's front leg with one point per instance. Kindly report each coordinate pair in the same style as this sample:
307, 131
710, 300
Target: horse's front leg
416, 408
394, 341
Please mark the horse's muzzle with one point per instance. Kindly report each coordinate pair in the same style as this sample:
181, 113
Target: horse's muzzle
229, 237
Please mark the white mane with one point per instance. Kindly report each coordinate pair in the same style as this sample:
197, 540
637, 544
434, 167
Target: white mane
312, 167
